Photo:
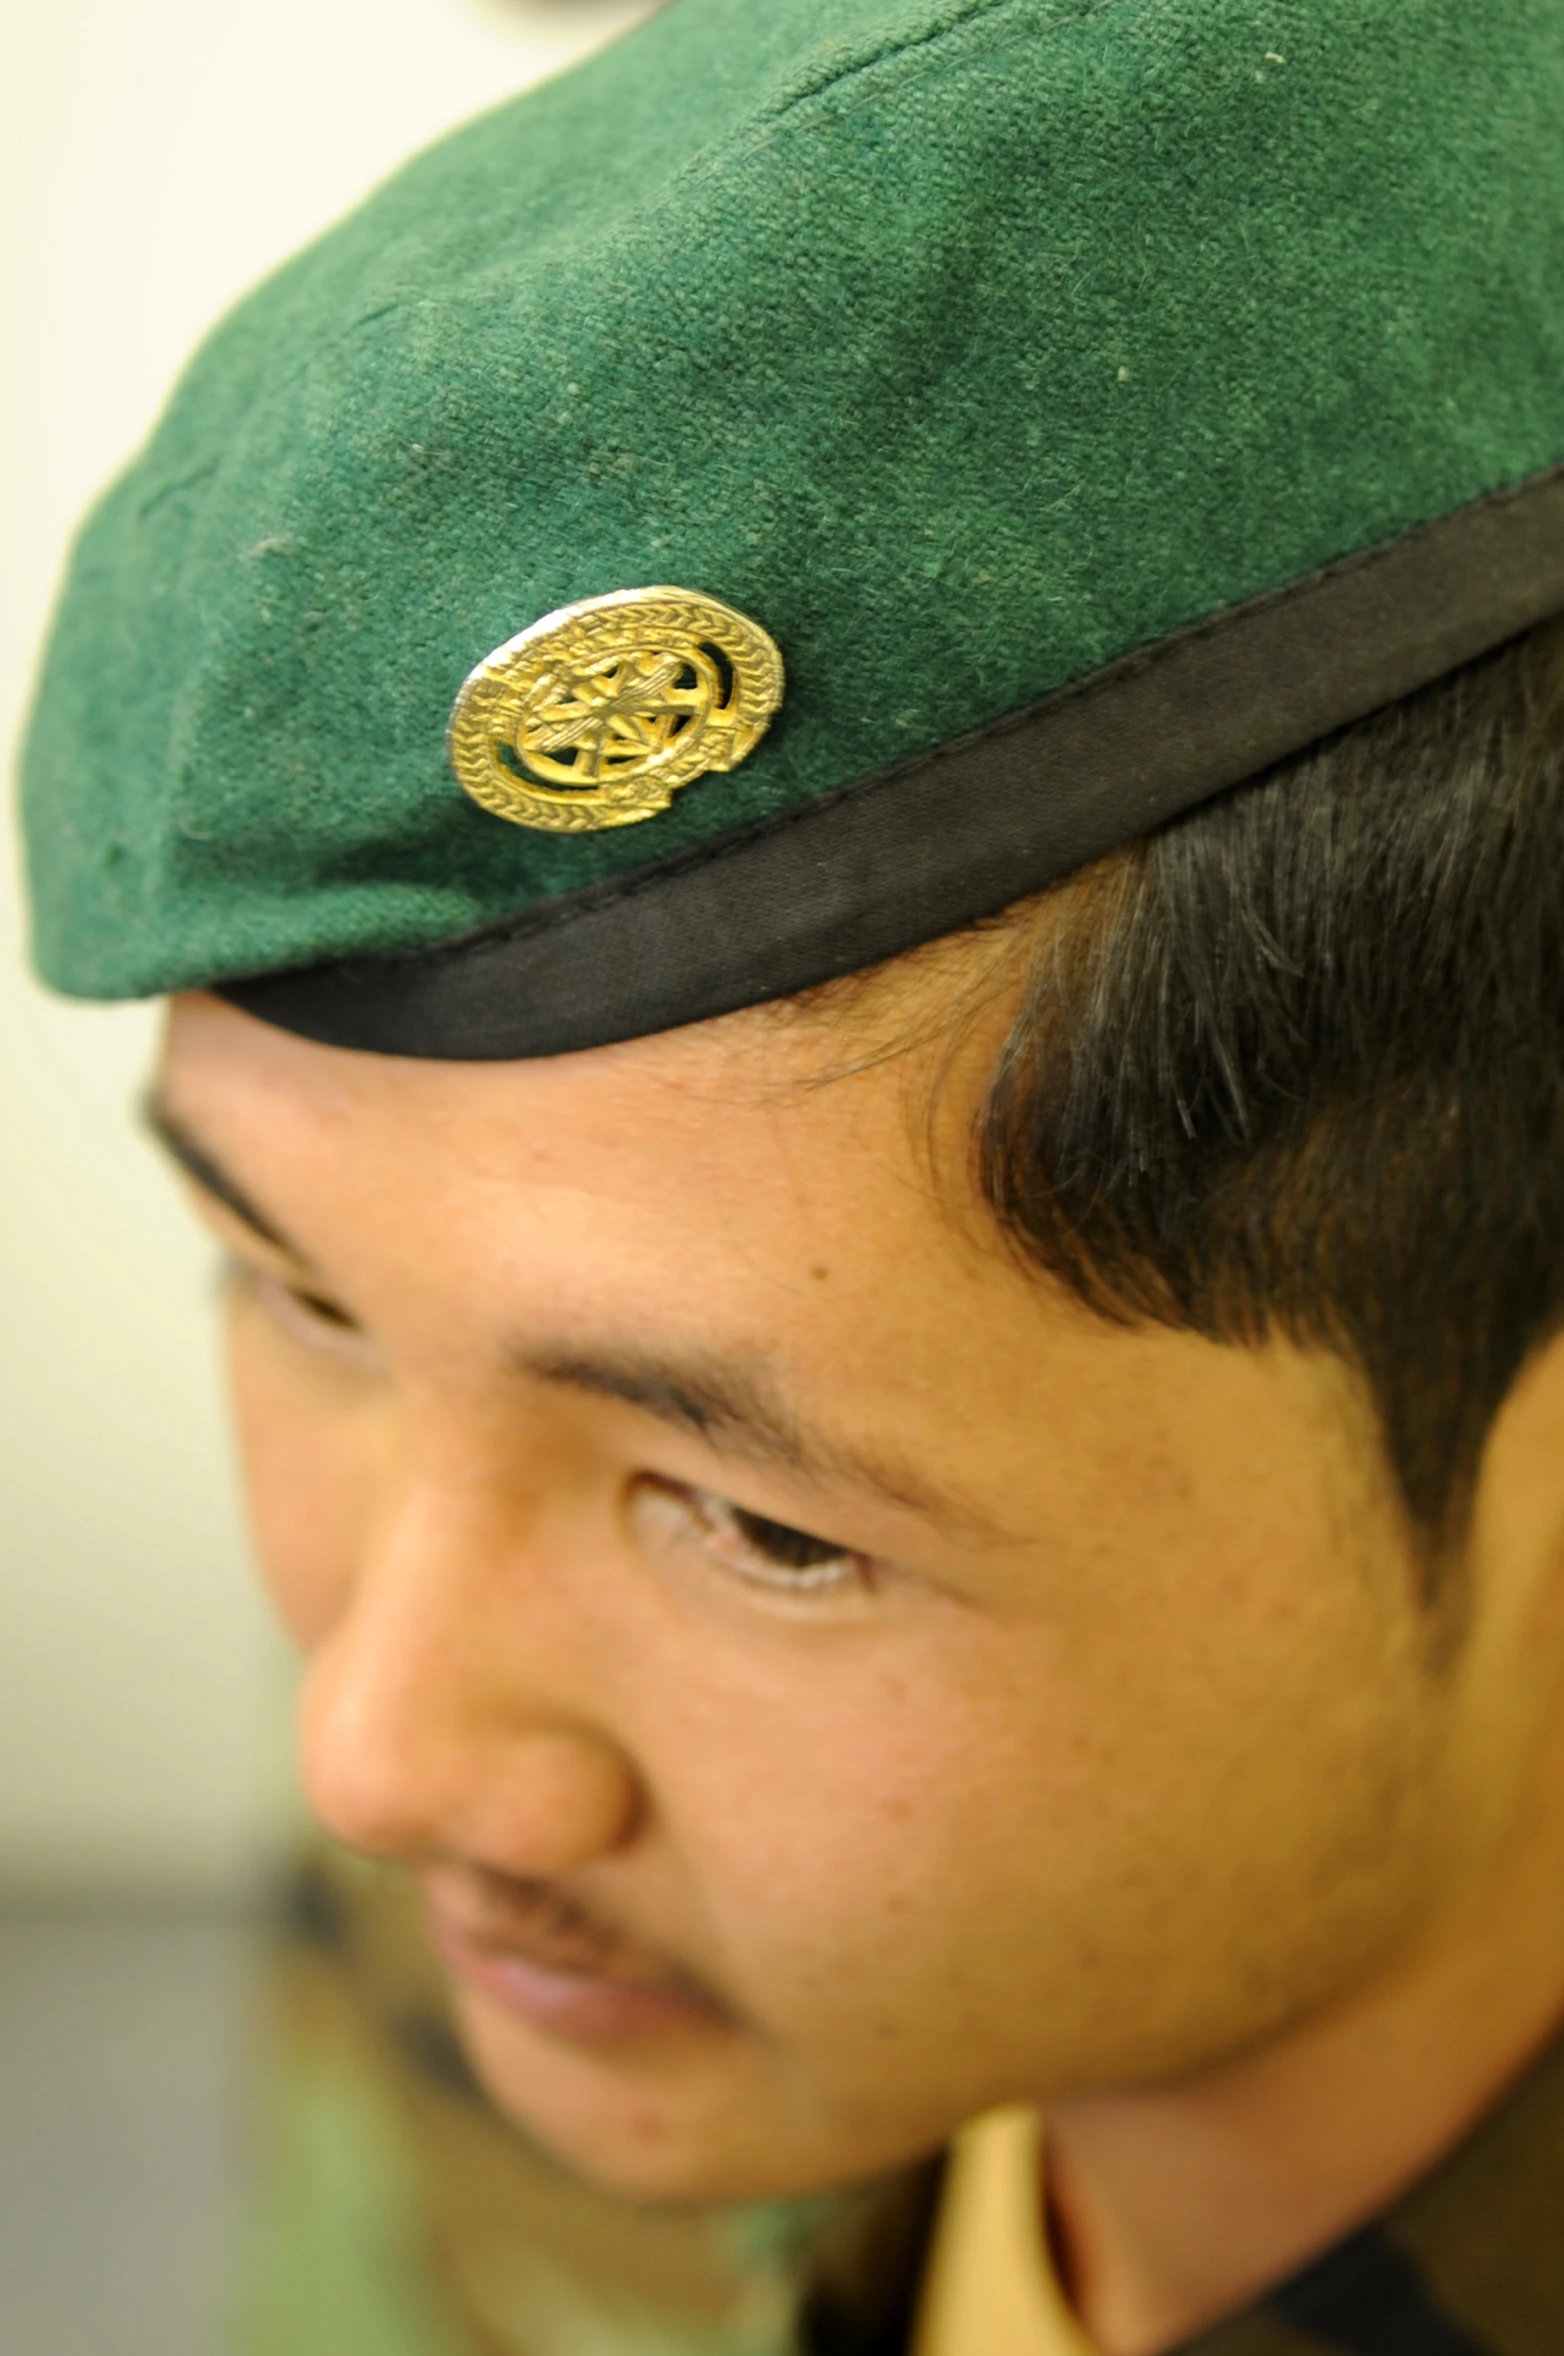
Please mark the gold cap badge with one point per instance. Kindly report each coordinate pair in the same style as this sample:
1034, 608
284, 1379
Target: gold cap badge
599, 713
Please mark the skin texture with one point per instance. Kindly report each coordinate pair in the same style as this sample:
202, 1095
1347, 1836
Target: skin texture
1124, 1774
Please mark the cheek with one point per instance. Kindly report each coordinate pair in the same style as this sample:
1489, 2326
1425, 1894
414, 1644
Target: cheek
843, 1812
1138, 1836
314, 1457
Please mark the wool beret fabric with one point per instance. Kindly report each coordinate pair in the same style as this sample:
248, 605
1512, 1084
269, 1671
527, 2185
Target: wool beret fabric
968, 346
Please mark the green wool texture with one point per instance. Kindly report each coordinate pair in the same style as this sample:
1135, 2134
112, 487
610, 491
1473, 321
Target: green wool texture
964, 344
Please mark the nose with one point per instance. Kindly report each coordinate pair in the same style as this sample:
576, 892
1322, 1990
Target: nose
442, 1713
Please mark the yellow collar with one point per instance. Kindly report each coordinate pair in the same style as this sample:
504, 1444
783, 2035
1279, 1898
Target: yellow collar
990, 2288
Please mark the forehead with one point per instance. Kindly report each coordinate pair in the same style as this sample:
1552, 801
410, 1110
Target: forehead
778, 1121
685, 1203
708, 1228
748, 1185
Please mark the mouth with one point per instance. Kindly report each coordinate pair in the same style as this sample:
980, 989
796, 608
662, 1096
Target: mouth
547, 1965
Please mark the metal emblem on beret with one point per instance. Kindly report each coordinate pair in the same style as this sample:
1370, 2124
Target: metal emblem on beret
596, 715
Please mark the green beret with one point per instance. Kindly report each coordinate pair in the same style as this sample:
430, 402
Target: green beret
1017, 421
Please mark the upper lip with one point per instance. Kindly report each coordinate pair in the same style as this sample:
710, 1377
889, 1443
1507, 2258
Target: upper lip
551, 1932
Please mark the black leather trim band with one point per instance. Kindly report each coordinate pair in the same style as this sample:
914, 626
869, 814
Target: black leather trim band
921, 849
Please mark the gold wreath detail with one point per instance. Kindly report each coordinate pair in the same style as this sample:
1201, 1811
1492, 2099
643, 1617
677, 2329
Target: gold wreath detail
598, 714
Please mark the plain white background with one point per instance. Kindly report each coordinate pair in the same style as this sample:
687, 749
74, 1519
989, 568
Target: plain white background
156, 156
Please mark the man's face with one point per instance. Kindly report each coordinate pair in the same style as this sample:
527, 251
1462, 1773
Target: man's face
1085, 1735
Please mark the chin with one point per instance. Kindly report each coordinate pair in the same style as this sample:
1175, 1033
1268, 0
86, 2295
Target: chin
677, 2119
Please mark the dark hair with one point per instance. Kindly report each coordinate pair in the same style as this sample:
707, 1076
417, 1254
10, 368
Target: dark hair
1295, 1064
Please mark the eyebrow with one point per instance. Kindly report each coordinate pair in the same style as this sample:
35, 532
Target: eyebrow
731, 1401
734, 1404
203, 1170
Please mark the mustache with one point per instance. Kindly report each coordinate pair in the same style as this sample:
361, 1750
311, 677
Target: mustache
553, 1928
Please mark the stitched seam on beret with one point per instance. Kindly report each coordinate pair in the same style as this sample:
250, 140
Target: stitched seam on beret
844, 75
266, 396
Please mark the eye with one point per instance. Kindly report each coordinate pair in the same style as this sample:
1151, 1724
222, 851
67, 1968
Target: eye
772, 1554
305, 1316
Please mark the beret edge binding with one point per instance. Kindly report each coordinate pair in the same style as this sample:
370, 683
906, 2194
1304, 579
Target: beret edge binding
878, 866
